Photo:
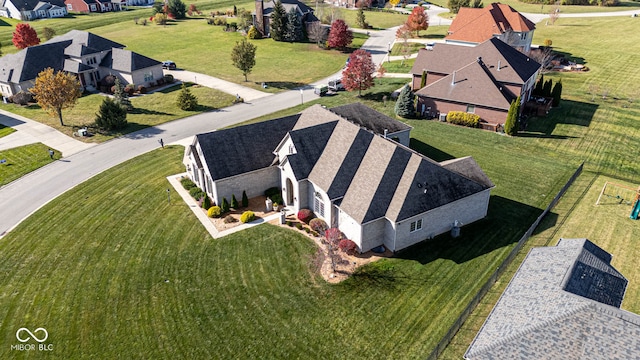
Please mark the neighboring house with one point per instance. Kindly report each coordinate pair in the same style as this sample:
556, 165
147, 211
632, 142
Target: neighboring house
377, 191
32, 9
263, 11
562, 303
475, 25
137, 2
90, 6
88, 56
483, 79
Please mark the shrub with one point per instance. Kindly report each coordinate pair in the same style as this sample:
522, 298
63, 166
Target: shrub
247, 216
253, 33
187, 184
160, 19
307, 230
245, 199
142, 89
186, 100
347, 246
548, 42
234, 202
289, 223
22, 98
274, 194
230, 219
108, 81
129, 89
318, 225
305, 215
214, 212
225, 205
463, 118
111, 115
219, 21
206, 202
168, 78
299, 226
196, 193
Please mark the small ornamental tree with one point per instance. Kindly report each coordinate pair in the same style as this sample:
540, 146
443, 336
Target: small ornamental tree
186, 100
111, 115
318, 33
511, 124
361, 19
48, 33
277, 22
55, 92
120, 96
234, 201
418, 20
405, 106
556, 93
245, 199
359, 72
224, 207
25, 36
243, 56
339, 35
381, 71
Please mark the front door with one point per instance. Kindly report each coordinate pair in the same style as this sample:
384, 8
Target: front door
289, 190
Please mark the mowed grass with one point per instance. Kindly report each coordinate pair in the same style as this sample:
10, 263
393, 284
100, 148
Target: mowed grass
567, 9
576, 216
5, 130
23, 160
149, 110
108, 277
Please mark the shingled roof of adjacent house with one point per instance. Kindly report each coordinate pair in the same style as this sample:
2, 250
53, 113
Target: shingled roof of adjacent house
477, 25
32, 4
368, 118
28, 63
86, 39
472, 84
288, 5
562, 303
127, 61
515, 67
245, 148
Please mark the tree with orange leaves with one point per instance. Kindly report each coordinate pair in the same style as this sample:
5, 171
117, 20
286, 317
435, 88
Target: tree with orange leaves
56, 91
418, 20
25, 36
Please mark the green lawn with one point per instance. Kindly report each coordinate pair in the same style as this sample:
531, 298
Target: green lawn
568, 9
399, 66
23, 160
607, 225
149, 110
377, 20
5, 130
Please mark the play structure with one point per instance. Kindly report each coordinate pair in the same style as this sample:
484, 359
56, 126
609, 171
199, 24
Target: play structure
623, 195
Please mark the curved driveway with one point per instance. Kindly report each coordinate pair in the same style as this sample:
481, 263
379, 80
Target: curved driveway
22, 197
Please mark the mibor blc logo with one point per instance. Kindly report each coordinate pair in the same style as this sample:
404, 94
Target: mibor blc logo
39, 335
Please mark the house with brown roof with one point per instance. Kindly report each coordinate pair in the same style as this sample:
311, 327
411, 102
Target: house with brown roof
374, 189
475, 25
92, 6
562, 303
88, 56
482, 79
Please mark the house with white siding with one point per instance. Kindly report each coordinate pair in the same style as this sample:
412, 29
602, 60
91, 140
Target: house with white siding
344, 165
26, 10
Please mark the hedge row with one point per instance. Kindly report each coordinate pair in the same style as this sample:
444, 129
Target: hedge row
463, 118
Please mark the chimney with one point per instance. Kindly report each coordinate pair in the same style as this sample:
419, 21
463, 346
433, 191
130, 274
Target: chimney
453, 78
498, 65
259, 21
386, 132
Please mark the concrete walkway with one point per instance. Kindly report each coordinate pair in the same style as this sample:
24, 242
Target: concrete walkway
29, 132
248, 94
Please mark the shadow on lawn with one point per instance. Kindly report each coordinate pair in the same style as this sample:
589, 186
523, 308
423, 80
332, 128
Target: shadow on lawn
287, 85
429, 151
506, 222
569, 113
570, 57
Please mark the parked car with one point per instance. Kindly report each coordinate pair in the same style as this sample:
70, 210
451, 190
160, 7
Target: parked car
335, 85
169, 65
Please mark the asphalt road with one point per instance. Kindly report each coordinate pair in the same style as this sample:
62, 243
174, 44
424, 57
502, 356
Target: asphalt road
23, 197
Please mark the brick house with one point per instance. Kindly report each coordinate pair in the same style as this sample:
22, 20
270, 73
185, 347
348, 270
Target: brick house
91, 6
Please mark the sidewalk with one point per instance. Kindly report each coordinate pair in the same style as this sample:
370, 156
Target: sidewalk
248, 94
29, 132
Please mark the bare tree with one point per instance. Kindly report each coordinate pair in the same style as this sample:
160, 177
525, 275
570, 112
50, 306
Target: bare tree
593, 90
542, 56
318, 33
554, 14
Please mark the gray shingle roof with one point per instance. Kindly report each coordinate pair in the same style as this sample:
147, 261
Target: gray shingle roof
87, 39
515, 67
28, 63
368, 118
537, 317
309, 143
127, 61
31, 4
242, 149
469, 168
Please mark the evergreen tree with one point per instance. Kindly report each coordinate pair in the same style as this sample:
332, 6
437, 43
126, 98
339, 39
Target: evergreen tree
224, 207
186, 100
293, 28
556, 93
361, 20
405, 106
546, 89
537, 90
423, 79
511, 124
277, 22
177, 8
245, 199
111, 115
234, 202
120, 96
206, 202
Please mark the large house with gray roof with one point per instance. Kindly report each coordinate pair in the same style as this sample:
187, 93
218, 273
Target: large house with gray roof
262, 14
562, 303
343, 164
88, 56
26, 10
483, 80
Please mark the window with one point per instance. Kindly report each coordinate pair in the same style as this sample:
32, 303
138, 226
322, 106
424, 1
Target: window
318, 204
471, 109
291, 149
148, 76
523, 36
93, 7
415, 225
